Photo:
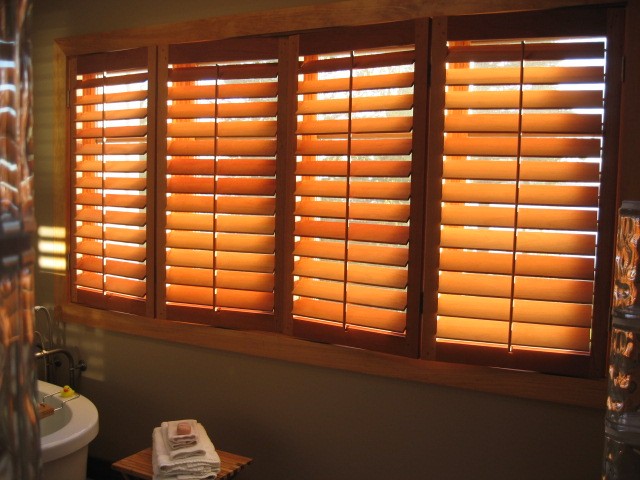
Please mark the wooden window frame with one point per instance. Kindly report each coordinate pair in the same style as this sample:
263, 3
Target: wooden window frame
573, 391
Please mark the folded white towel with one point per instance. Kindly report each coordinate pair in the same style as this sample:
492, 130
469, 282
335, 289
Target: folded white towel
194, 450
194, 467
178, 440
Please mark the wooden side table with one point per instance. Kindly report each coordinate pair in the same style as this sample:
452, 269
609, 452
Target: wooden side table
138, 465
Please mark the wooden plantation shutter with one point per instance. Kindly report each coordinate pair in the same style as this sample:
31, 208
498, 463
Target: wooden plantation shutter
520, 201
111, 128
219, 234
359, 159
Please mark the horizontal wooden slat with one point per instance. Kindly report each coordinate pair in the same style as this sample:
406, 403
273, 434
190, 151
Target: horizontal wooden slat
368, 82
375, 60
195, 277
122, 114
237, 166
205, 185
476, 261
492, 308
567, 338
356, 294
389, 320
126, 252
556, 266
562, 290
193, 295
112, 132
222, 110
90, 280
132, 218
531, 218
528, 194
311, 126
112, 200
568, 123
359, 211
398, 146
529, 147
222, 129
532, 288
189, 258
356, 273
357, 104
559, 266
89, 247
223, 242
224, 147
548, 99
240, 299
533, 51
90, 263
357, 189
473, 329
464, 283
134, 148
221, 279
357, 232
126, 286
542, 242
224, 260
223, 90
530, 75
375, 254
552, 313
549, 171
230, 71
83, 98
126, 269
115, 234
227, 223
356, 168
221, 204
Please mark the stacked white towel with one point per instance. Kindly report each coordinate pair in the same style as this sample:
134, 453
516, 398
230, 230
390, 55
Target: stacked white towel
195, 459
175, 437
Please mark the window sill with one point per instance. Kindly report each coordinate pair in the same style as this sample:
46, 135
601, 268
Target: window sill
580, 392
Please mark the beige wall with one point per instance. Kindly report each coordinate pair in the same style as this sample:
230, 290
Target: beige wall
296, 421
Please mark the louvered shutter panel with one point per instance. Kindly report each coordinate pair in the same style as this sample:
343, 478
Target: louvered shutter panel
520, 193
109, 138
353, 190
220, 182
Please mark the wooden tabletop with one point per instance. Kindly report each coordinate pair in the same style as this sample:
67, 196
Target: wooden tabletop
138, 465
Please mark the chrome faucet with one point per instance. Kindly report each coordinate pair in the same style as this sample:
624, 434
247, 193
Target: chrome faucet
81, 366
48, 353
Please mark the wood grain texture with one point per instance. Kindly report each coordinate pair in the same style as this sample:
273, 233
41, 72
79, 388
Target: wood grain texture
299, 18
630, 118
60, 164
139, 465
564, 390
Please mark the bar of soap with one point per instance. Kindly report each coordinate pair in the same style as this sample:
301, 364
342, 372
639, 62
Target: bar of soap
183, 428
44, 410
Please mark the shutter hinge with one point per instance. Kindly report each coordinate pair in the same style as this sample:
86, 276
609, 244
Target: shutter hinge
421, 307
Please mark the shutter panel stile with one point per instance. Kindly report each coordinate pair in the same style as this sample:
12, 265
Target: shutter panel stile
109, 119
520, 190
220, 224
353, 190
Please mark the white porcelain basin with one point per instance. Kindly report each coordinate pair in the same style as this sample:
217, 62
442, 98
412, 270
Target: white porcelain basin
65, 435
